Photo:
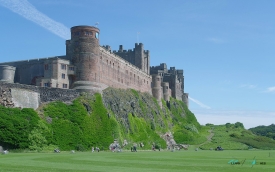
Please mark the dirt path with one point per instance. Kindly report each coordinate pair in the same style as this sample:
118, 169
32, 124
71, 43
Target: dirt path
209, 137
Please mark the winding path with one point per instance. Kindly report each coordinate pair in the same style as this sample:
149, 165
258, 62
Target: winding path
209, 137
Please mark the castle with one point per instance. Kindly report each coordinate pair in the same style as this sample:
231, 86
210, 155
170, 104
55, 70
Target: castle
87, 66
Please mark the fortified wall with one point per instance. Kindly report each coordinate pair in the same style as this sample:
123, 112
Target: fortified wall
171, 79
30, 96
138, 56
97, 67
89, 67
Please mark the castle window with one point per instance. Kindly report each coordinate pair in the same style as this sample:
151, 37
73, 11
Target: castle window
65, 86
96, 35
47, 84
76, 33
63, 66
63, 76
71, 68
46, 67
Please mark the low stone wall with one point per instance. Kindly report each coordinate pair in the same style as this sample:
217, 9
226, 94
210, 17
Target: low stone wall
29, 96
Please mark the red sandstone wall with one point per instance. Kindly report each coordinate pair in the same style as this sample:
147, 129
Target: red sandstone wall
118, 73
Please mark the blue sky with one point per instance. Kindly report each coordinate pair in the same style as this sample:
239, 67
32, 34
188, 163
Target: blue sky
225, 47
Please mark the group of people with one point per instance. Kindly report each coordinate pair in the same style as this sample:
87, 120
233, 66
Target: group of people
134, 148
95, 149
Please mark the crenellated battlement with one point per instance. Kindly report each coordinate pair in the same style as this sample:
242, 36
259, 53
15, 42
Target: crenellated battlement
87, 66
174, 77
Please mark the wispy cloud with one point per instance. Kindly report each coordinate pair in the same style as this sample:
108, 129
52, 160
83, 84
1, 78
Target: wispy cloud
248, 118
249, 86
270, 90
216, 40
63, 3
28, 11
199, 103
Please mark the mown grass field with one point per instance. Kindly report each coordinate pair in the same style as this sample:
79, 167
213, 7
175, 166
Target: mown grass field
143, 161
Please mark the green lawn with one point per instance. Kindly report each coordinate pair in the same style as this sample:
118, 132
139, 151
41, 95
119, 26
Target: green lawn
142, 161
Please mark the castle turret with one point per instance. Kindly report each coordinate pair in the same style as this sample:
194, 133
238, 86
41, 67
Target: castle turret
166, 94
83, 50
156, 88
185, 99
142, 58
7, 73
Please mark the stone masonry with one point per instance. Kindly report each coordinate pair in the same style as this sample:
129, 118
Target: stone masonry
87, 66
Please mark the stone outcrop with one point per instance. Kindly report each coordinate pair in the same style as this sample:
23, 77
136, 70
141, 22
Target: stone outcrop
124, 102
5, 97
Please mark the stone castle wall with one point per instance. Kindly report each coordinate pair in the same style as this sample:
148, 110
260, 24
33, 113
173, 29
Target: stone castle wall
28, 70
96, 65
138, 57
89, 67
119, 73
29, 96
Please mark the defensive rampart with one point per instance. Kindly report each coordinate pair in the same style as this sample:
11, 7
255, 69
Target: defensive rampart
29, 96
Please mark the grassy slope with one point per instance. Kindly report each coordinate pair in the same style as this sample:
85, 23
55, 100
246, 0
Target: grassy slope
222, 138
189, 161
236, 138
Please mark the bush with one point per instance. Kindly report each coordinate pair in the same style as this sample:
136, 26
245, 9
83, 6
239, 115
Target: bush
15, 126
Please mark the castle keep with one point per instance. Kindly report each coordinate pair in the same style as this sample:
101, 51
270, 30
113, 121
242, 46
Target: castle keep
87, 66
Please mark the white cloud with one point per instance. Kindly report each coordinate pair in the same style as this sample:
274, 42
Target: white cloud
248, 118
63, 3
199, 103
216, 40
270, 89
28, 11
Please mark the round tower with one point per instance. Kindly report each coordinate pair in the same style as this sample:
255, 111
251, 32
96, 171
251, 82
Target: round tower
84, 47
156, 88
83, 51
7, 73
165, 87
185, 99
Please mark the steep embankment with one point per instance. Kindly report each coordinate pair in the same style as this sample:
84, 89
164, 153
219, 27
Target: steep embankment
95, 120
